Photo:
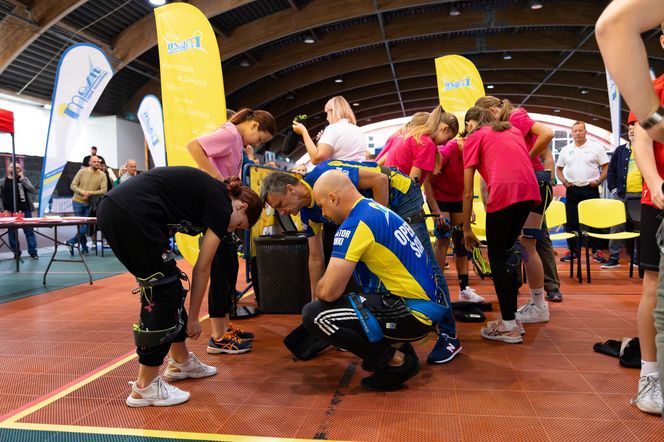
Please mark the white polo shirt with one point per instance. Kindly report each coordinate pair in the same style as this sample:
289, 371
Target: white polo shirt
347, 140
582, 164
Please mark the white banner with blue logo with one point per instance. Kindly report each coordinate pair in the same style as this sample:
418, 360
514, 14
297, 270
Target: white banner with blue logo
152, 122
614, 108
82, 75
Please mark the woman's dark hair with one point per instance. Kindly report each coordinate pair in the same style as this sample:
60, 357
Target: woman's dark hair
484, 118
265, 120
243, 193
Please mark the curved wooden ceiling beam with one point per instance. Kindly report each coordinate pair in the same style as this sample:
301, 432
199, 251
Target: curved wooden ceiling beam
17, 34
376, 57
369, 80
369, 34
142, 35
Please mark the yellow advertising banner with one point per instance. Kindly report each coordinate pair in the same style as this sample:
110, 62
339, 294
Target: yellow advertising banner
192, 87
459, 84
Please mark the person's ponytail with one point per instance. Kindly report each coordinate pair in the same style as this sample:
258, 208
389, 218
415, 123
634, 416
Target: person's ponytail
238, 191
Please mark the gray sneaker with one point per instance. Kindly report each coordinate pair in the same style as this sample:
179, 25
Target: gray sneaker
649, 397
554, 295
191, 368
158, 394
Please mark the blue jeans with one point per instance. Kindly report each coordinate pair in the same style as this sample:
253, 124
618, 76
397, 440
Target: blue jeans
410, 205
14, 242
81, 210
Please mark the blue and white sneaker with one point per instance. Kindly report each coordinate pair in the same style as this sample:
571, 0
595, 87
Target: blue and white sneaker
445, 350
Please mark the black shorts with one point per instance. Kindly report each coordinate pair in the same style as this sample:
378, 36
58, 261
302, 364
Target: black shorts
546, 191
651, 218
451, 207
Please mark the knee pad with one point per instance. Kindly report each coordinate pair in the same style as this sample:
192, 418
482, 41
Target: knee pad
532, 233
513, 260
458, 247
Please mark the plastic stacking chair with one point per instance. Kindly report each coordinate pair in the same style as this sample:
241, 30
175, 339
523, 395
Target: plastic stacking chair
556, 217
602, 213
479, 225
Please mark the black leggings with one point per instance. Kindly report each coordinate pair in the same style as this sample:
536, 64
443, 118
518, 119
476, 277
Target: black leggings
139, 246
502, 230
223, 277
336, 323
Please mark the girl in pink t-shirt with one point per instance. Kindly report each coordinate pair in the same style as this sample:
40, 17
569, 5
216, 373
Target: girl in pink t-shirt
499, 153
416, 153
446, 186
220, 154
418, 119
537, 137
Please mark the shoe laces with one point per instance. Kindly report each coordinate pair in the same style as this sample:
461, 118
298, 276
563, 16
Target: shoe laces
165, 389
231, 337
650, 388
527, 308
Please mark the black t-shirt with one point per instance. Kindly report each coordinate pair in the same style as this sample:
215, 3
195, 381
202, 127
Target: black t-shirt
178, 198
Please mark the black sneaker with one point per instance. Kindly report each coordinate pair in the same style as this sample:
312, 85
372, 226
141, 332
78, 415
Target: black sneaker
34, 256
554, 295
599, 257
612, 263
392, 378
567, 257
406, 348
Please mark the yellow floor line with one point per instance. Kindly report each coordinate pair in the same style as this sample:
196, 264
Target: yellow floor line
38, 406
148, 433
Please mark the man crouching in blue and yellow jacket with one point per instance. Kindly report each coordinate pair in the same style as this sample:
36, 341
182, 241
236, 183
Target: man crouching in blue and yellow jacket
397, 304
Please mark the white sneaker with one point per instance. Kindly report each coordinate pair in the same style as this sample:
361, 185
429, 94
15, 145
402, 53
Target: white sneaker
159, 394
470, 295
496, 331
193, 368
530, 313
649, 397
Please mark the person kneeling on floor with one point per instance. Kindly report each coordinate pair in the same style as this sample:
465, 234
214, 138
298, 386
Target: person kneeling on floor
397, 280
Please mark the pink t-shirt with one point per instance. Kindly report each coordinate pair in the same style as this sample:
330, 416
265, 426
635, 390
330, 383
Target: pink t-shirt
388, 145
502, 160
406, 153
224, 148
448, 183
522, 121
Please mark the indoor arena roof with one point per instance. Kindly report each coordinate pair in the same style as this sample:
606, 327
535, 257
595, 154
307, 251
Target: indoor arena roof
290, 56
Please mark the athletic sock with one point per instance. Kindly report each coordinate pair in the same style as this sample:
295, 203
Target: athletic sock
510, 325
463, 282
648, 368
537, 297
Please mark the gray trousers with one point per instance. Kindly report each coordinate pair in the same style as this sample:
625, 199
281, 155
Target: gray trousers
615, 245
658, 313
548, 257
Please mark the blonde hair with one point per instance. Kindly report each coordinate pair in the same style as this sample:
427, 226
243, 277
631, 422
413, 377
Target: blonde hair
504, 105
340, 109
430, 126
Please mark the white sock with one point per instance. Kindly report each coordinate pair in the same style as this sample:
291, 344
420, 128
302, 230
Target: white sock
537, 297
648, 368
510, 325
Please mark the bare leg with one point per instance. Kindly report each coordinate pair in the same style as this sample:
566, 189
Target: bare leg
219, 326
645, 324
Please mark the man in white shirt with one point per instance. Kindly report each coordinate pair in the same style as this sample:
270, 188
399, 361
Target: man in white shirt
581, 167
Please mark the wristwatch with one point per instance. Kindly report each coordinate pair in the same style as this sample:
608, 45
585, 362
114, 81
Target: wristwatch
653, 118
